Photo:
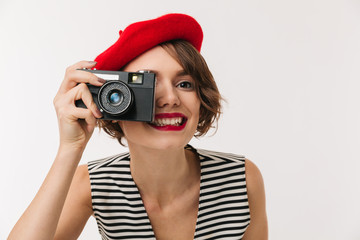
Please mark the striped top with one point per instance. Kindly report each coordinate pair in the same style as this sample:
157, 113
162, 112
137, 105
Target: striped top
223, 203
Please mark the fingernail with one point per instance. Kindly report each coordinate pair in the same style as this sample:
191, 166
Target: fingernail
101, 80
92, 62
99, 113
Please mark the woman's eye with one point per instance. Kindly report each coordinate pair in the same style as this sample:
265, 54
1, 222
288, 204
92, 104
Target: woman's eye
187, 85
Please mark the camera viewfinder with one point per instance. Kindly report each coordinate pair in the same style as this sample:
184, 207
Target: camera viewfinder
136, 78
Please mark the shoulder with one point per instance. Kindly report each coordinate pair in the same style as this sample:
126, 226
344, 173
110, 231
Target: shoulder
258, 228
254, 179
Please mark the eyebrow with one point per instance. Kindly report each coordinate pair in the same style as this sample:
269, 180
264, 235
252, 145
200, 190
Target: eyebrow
179, 73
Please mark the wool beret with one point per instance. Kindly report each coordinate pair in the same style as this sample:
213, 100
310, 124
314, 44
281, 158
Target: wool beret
142, 36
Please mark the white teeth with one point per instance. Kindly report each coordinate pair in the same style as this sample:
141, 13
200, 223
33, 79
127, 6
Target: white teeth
167, 121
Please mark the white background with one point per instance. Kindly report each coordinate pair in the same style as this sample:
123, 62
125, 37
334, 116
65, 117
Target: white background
288, 69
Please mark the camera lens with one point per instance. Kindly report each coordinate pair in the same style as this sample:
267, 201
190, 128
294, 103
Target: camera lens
115, 97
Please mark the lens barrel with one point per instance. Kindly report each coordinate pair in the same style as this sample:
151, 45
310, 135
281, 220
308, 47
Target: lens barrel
115, 97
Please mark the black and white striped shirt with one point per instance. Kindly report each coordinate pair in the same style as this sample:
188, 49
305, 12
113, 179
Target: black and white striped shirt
223, 203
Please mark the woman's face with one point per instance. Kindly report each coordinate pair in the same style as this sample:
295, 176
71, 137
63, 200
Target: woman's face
177, 105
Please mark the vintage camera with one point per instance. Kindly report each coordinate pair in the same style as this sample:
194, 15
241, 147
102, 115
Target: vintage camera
124, 96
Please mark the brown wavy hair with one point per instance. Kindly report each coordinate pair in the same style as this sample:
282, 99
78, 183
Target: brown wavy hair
206, 89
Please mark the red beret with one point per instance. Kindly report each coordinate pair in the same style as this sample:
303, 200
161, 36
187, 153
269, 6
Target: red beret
142, 36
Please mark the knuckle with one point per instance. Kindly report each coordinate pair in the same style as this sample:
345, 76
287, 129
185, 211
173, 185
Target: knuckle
89, 114
69, 69
82, 87
56, 101
55, 104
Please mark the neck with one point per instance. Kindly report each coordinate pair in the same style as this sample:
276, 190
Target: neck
163, 175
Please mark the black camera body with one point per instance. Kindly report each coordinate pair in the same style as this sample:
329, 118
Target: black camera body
127, 96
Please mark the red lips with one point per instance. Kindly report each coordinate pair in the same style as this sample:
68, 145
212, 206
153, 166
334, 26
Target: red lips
165, 125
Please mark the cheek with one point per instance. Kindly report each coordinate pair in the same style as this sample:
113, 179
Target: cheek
194, 107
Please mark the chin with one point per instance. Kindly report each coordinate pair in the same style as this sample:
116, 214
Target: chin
145, 135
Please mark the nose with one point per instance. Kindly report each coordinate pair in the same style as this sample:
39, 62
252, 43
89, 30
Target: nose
166, 95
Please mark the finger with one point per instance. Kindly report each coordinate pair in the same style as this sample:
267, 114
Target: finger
80, 76
82, 64
82, 92
90, 123
68, 99
74, 76
86, 118
90, 120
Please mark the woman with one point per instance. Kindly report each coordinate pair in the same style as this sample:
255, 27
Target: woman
163, 187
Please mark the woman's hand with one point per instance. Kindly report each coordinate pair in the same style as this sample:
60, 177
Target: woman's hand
76, 125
